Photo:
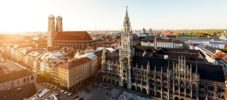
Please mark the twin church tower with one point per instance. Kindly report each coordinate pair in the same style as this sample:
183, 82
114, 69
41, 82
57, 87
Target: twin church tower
53, 28
56, 37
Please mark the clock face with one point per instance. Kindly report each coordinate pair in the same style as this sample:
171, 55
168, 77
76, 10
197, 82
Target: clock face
125, 62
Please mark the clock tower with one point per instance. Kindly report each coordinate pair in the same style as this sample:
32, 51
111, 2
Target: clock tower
126, 53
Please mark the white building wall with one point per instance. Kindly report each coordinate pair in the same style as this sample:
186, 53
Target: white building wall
163, 44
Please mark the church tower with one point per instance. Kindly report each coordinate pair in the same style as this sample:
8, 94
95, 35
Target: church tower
59, 24
126, 53
51, 30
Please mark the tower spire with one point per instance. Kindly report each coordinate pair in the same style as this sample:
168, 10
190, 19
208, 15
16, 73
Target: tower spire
126, 52
126, 15
126, 24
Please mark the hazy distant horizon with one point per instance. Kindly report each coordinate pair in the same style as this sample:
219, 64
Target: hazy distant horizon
32, 15
117, 30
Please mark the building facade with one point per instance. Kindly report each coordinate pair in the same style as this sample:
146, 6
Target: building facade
73, 72
144, 71
163, 43
12, 76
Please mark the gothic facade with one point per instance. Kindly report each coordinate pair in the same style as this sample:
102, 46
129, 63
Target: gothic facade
145, 71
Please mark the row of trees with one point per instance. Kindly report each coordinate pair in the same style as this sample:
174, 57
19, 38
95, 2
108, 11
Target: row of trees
202, 32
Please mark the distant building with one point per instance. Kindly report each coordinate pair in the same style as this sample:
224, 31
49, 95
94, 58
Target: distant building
162, 43
193, 37
208, 52
214, 44
20, 53
13, 76
223, 37
144, 34
57, 37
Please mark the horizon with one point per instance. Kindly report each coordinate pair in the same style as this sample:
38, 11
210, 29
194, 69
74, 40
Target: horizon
36, 32
29, 16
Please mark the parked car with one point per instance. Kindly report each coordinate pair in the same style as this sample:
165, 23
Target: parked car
76, 97
69, 94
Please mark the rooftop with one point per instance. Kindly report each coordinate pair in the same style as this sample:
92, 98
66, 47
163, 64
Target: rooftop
206, 71
14, 75
75, 62
157, 58
161, 40
9, 67
11, 71
73, 35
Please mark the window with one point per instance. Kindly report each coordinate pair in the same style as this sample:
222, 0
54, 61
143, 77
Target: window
211, 88
24, 80
32, 77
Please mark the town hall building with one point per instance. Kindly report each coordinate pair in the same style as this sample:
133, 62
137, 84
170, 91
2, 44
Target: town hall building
165, 74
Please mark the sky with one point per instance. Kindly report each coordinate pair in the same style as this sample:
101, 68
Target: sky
32, 15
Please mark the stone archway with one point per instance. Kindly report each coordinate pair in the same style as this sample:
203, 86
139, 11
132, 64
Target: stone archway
124, 83
144, 91
133, 88
151, 92
158, 94
176, 98
138, 89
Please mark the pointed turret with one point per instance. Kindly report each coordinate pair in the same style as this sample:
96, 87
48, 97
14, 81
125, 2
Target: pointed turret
103, 63
126, 16
127, 25
148, 66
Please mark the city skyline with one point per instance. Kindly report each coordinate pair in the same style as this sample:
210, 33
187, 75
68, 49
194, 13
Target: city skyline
30, 16
99, 50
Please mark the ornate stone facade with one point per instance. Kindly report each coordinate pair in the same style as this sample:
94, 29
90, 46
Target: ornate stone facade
147, 72
126, 54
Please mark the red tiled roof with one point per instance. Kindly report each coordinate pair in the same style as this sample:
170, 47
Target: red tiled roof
219, 54
225, 46
177, 41
224, 58
172, 36
73, 35
75, 63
